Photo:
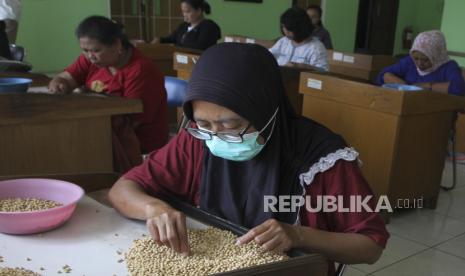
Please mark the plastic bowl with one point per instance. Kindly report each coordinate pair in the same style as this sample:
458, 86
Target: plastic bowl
22, 223
14, 84
402, 87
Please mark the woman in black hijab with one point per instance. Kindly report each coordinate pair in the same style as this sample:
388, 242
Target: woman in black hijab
245, 142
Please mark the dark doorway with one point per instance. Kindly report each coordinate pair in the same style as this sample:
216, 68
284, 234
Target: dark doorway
305, 3
376, 26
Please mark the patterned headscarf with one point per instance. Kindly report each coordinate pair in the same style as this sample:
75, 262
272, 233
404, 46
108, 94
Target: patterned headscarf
433, 45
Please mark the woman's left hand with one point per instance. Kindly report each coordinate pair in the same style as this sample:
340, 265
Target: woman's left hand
272, 235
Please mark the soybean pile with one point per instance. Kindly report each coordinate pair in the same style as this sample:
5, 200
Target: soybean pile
26, 204
212, 251
17, 271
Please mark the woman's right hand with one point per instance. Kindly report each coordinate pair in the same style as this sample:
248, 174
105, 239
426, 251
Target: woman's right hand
155, 40
59, 85
167, 226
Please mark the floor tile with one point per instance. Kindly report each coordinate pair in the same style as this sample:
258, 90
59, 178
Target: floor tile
397, 249
428, 263
351, 271
455, 246
452, 203
425, 226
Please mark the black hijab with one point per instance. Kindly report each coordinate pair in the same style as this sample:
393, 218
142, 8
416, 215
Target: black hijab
245, 78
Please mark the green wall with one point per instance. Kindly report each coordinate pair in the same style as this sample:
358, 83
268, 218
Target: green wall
249, 19
341, 20
452, 26
47, 26
46, 30
422, 15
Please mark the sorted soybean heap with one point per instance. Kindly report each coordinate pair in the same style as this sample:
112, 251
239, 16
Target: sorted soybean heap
26, 204
212, 251
18, 271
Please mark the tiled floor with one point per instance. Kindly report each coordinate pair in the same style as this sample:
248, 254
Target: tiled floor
425, 242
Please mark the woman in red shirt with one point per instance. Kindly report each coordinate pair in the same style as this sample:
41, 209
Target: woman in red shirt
245, 142
110, 65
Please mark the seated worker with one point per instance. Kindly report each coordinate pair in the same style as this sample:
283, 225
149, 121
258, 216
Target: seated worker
244, 142
427, 66
315, 12
110, 65
298, 45
195, 32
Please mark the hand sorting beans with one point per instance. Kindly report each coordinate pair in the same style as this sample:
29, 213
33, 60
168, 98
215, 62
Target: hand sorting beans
212, 251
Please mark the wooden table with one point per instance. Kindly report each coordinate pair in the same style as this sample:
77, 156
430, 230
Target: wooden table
67, 136
184, 63
245, 39
37, 79
401, 136
360, 66
162, 55
90, 241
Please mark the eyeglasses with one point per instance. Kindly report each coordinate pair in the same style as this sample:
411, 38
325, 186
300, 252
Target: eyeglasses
204, 134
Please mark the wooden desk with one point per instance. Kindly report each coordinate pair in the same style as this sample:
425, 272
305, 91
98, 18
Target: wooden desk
162, 55
60, 135
401, 136
37, 79
96, 233
245, 39
183, 63
360, 66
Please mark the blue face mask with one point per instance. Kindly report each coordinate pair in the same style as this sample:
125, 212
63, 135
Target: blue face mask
248, 149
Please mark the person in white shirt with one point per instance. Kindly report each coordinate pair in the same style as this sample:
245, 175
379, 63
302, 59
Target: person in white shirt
298, 45
10, 11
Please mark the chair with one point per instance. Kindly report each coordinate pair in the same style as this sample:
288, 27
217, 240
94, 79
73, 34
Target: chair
452, 142
176, 91
340, 270
17, 52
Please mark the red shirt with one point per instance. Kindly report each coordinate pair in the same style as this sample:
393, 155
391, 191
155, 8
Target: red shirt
139, 79
176, 169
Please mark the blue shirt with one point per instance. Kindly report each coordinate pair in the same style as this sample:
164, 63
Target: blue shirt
407, 70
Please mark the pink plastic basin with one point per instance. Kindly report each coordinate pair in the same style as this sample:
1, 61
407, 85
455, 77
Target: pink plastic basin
63, 192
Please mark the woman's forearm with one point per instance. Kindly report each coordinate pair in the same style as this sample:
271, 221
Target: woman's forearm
131, 200
347, 248
391, 78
